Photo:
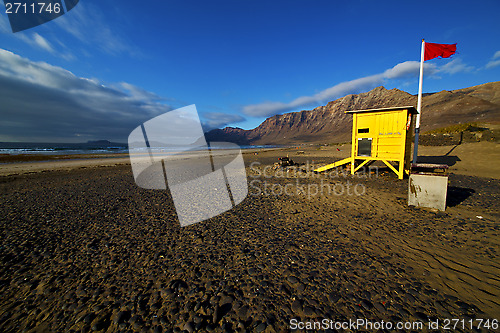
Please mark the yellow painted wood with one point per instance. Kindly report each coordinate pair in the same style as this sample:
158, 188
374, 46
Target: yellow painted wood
392, 168
354, 145
390, 132
333, 165
362, 164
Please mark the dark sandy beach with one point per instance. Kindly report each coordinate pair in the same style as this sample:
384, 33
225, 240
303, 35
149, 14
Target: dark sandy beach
85, 249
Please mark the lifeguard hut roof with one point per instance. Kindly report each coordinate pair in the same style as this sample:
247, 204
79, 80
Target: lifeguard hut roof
410, 108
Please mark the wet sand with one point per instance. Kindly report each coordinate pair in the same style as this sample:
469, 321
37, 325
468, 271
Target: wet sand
84, 249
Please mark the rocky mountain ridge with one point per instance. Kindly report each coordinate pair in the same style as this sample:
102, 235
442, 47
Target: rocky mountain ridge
330, 123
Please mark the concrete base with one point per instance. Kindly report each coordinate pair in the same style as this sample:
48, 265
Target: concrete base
429, 191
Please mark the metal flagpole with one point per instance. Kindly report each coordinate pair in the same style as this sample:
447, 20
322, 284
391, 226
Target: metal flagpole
419, 103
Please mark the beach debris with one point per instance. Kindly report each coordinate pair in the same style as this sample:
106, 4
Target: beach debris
284, 162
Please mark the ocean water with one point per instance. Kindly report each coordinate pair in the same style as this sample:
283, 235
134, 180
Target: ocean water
97, 147
16, 148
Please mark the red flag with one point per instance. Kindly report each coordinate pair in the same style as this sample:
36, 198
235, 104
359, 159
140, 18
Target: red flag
433, 50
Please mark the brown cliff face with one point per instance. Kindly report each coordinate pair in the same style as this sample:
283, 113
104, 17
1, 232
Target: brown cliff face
229, 134
329, 123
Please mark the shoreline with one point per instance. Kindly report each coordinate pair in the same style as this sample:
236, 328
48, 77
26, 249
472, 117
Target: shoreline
27, 163
473, 159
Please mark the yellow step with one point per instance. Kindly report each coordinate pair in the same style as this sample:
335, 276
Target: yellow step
333, 165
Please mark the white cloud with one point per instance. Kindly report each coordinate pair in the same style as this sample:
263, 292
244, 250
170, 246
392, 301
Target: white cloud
455, 66
4, 24
219, 119
495, 60
271, 108
493, 63
404, 70
45, 102
88, 24
42, 42
139, 93
34, 39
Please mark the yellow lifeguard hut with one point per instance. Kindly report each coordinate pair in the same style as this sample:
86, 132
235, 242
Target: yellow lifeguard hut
380, 135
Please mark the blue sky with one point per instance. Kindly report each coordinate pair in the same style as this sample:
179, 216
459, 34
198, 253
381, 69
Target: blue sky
107, 66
